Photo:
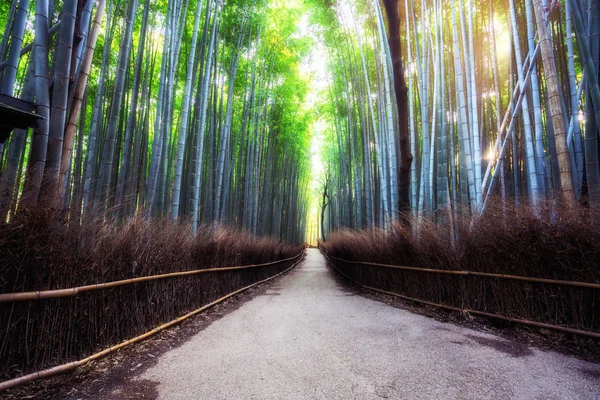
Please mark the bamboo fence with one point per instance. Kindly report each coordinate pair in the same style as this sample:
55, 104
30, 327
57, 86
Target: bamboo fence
74, 291
495, 294
47, 328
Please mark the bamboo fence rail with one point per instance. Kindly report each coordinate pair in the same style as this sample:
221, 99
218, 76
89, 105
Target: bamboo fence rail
76, 364
595, 335
472, 273
58, 293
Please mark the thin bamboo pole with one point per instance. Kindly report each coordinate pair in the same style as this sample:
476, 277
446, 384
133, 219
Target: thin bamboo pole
595, 335
58, 293
73, 365
473, 273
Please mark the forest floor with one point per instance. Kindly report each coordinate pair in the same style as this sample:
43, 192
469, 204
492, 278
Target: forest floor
311, 335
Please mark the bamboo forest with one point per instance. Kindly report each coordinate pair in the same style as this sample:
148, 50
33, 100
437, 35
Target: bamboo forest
145, 137
206, 111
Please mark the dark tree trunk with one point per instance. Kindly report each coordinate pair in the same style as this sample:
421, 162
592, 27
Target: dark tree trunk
401, 91
324, 204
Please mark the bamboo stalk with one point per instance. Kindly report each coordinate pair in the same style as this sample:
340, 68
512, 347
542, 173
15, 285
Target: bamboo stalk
594, 335
73, 365
58, 293
26, 49
473, 273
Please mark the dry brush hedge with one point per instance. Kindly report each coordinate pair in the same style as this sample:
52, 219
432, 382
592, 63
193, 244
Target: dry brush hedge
513, 242
39, 254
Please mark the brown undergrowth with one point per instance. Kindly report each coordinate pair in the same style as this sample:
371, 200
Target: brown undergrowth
39, 253
510, 240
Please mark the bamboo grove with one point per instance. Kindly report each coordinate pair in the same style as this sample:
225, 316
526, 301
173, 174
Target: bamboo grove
503, 102
188, 109
197, 110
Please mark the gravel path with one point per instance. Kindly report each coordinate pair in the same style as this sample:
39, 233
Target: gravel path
308, 338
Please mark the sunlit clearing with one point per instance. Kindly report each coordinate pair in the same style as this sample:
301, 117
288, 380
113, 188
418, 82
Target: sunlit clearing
318, 175
314, 69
